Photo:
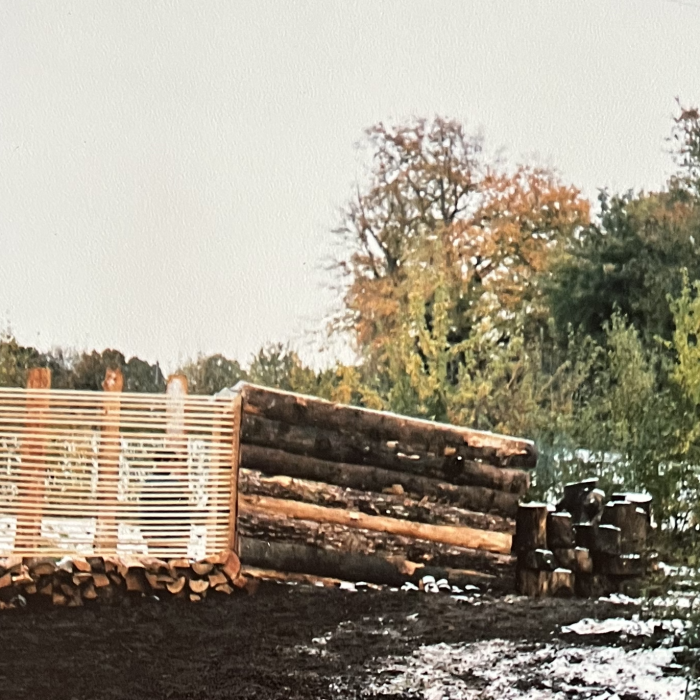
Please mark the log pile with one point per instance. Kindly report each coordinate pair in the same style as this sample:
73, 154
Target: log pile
76, 581
587, 545
354, 494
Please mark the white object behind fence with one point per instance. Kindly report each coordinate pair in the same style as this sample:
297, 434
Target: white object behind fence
111, 472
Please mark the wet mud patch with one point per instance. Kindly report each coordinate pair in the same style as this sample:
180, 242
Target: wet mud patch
309, 643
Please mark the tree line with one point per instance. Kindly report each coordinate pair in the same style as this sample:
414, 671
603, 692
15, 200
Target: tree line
495, 295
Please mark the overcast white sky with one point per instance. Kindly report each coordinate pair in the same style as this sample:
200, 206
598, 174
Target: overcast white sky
170, 171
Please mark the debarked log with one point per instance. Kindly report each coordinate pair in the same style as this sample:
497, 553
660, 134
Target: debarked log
455, 467
273, 527
498, 542
316, 561
416, 433
425, 510
368, 478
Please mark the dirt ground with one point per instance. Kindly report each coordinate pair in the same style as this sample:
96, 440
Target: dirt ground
283, 642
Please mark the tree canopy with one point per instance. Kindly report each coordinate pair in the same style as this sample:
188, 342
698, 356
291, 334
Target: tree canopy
493, 295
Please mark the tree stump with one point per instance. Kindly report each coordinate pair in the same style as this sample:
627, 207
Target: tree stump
584, 561
575, 495
641, 500
632, 524
534, 584
561, 583
530, 527
608, 540
565, 558
586, 534
538, 559
560, 531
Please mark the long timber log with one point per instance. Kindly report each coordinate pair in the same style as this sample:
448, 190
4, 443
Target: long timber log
359, 448
355, 449
417, 434
498, 542
278, 528
425, 510
368, 478
304, 559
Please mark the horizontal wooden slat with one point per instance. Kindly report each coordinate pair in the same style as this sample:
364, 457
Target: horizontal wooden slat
165, 462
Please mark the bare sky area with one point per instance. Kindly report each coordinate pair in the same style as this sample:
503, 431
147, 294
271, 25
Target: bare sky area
170, 172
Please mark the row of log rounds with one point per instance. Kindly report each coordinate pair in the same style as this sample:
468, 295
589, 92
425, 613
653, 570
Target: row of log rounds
75, 581
586, 545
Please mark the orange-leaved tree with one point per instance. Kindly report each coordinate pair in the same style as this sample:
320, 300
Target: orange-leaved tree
439, 231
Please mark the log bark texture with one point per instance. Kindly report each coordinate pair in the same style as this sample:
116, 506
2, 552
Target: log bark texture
560, 531
561, 583
632, 522
574, 500
271, 527
498, 542
304, 559
416, 434
534, 584
367, 478
392, 505
359, 448
530, 527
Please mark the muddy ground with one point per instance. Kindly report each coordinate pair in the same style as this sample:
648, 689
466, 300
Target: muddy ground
286, 642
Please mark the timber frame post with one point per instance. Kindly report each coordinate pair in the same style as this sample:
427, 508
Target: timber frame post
32, 452
235, 464
107, 527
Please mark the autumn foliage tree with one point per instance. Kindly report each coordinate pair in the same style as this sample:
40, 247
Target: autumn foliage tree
431, 198
443, 254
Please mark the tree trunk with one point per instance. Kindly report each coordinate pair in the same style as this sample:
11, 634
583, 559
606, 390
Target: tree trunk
304, 559
274, 527
641, 500
608, 540
632, 522
388, 504
417, 434
457, 467
574, 499
561, 583
534, 584
530, 527
584, 562
368, 478
560, 531
538, 559
498, 542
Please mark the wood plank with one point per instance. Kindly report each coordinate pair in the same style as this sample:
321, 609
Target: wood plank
108, 464
236, 426
32, 465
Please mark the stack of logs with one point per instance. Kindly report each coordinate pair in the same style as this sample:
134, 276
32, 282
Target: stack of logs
361, 495
74, 581
587, 545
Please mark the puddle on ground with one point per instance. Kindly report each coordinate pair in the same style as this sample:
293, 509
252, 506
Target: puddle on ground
506, 670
